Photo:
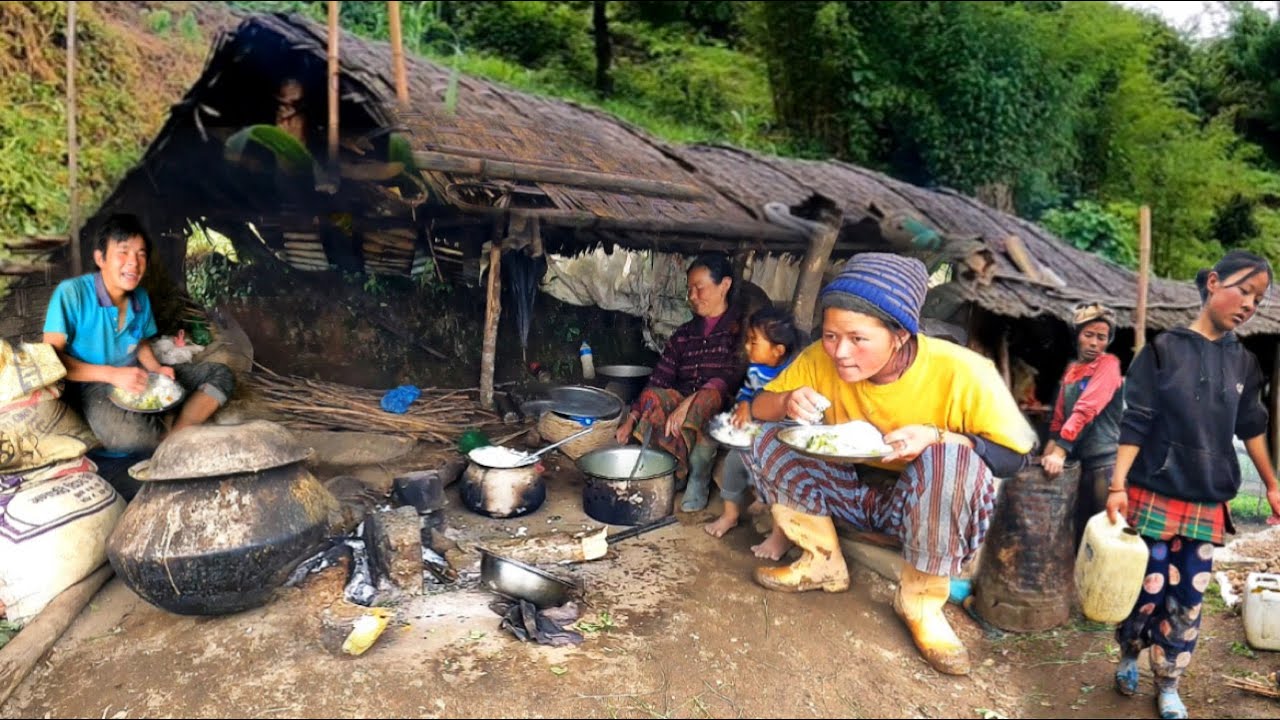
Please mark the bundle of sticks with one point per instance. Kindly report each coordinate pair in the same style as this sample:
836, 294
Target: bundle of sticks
1270, 687
439, 414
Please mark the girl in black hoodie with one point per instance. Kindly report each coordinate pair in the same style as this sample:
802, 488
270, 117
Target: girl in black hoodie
1186, 394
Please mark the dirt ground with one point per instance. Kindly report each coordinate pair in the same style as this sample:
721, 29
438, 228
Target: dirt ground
679, 630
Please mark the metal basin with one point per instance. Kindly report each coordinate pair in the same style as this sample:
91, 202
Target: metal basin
611, 496
517, 580
625, 381
577, 401
215, 450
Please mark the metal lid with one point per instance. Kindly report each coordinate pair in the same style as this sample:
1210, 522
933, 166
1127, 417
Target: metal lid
584, 402
214, 450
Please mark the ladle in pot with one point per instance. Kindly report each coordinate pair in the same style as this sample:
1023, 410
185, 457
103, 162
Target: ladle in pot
533, 457
644, 447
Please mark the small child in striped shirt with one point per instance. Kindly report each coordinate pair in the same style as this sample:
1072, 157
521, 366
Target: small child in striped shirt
772, 342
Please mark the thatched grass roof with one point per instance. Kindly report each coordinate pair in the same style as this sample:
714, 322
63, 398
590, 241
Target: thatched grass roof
728, 187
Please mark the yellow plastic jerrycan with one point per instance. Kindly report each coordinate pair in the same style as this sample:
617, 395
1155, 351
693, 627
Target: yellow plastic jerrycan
1110, 568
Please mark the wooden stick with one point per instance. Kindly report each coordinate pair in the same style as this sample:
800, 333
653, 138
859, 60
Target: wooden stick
493, 310
1144, 270
508, 170
333, 83
397, 53
73, 145
25, 650
1006, 369
821, 242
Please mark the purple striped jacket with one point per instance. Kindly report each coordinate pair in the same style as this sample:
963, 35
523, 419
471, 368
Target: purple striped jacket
692, 361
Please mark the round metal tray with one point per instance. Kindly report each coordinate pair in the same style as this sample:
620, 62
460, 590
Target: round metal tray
797, 437
577, 401
717, 430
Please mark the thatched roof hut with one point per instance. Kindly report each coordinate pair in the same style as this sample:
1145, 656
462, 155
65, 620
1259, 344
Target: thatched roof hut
587, 177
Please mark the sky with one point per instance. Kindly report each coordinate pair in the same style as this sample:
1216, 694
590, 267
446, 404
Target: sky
1183, 15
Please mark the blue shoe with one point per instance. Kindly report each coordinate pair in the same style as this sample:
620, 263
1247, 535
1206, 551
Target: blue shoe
1127, 677
1170, 705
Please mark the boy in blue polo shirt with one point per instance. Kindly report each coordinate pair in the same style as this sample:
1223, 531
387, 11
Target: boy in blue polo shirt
101, 325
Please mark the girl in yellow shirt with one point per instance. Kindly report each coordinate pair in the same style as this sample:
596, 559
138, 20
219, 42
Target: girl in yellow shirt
944, 410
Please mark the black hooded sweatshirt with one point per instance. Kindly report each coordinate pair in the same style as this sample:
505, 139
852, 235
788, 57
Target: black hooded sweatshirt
1185, 396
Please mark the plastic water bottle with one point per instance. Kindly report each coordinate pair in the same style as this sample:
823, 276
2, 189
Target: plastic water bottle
588, 362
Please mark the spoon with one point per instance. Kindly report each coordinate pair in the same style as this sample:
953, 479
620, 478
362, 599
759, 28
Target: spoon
533, 457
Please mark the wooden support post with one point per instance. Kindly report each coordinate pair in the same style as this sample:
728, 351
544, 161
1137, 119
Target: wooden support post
492, 311
1144, 270
397, 53
333, 86
822, 240
1006, 366
73, 145
1275, 408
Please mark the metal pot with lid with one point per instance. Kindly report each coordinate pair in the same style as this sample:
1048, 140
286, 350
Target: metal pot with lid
237, 513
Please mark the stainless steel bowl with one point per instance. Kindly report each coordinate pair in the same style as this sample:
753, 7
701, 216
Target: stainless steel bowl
514, 579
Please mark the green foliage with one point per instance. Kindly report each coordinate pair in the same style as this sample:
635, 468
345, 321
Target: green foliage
188, 28
1110, 232
159, 22
1249, 508
290, 155
7, 632
209, 278
33, 129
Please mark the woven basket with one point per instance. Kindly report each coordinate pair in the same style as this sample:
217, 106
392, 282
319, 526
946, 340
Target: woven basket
553, 428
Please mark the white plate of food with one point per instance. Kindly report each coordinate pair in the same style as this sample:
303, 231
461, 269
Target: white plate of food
849, 442
722, 430
162, 394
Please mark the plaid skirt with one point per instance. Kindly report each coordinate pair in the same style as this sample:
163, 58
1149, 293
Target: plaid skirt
656, 404
939, 507
1159, 517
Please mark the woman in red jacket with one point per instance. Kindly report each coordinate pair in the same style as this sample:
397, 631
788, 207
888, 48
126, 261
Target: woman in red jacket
1086, 416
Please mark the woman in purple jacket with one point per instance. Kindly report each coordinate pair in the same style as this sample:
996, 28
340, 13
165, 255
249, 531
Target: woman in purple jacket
700, 369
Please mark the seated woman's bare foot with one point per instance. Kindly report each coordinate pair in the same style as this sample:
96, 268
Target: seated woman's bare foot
721, 525
773, 548
756, 508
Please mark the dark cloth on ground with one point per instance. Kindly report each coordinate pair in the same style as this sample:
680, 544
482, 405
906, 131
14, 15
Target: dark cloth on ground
545, 627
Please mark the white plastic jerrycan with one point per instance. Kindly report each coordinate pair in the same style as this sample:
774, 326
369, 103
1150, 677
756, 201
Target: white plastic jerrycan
1110, 568
1262, 611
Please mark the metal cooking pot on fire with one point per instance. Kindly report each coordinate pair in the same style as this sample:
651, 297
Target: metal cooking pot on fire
611, 496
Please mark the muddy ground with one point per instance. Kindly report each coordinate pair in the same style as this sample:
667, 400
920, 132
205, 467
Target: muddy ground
677, 629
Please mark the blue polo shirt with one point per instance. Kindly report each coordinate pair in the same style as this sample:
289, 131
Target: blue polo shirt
81, 309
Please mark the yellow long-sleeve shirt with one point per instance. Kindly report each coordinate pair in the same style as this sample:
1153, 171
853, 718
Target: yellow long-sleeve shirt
947, 385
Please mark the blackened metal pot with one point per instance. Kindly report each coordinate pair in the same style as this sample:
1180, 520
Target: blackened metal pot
503, 492
611, 496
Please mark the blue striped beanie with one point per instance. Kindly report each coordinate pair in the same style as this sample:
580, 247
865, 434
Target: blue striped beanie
893, 284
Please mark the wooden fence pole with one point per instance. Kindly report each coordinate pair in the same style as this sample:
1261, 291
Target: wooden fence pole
1144, 271
73, 146
822, 240
397, 53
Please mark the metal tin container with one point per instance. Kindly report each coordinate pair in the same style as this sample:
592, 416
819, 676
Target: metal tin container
611, 496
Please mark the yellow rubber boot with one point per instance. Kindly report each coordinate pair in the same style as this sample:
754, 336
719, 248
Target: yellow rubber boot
822, 565
919, 602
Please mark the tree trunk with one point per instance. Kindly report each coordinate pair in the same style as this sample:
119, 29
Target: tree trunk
604, 47
73, 146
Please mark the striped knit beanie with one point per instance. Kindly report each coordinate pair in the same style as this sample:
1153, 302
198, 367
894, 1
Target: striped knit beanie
893, 284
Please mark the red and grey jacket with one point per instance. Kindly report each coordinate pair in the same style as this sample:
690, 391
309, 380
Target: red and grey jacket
1086, 416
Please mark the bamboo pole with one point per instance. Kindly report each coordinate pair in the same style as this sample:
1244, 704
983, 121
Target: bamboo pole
334, 6
73, 145
508, 170
1144, 270
397, 53
492, 312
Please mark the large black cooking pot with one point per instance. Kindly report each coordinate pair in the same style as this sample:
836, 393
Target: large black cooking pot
612, 496
219, 545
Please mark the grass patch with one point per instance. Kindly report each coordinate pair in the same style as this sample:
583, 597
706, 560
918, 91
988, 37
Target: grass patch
1240, 649
7, 631
1250, 508
1213, 602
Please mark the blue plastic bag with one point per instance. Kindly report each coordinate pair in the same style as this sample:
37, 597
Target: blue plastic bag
398, 401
